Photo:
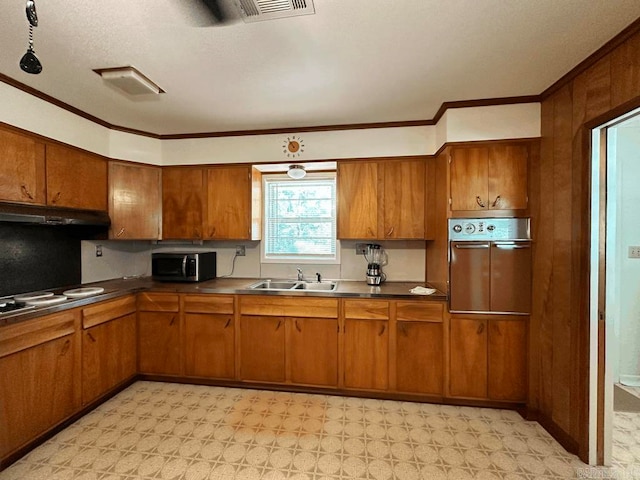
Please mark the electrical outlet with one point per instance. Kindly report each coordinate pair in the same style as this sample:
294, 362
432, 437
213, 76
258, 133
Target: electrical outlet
361, 248
240, 252
634, 252
98, 250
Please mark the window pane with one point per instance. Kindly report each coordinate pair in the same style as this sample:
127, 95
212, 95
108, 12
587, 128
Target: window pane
300, 218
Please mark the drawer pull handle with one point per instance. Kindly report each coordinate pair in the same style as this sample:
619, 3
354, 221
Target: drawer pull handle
25, 192
119, 234
496, 201
384, 327
390, 231
57, 197
279, 324
91, 337
298, 326
226, 325
173, 320
480, 202
65, 348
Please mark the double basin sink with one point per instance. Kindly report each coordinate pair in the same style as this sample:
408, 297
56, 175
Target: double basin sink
294, 285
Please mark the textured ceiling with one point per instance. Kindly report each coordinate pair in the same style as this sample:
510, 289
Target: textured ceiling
354, 61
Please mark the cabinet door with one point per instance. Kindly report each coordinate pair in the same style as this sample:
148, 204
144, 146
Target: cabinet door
468, 358
469, 176
228, 203
159, 343
262, 347
507, 360
508, 175
37, 391
134, 202
470, 276
357, 200
404, 199
209, 345
313, 351
511, 277
182, 203
108, 356
75, 179
419, 358
366, 354
21, 169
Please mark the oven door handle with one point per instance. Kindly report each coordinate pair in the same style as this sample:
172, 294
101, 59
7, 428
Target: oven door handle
473, 245
511, 245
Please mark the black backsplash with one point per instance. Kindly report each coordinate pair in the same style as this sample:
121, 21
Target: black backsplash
38, 257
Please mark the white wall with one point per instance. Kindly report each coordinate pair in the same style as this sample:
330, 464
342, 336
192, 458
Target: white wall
628, 230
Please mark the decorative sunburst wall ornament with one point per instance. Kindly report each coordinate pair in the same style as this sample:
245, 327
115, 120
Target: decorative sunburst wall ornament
293, 146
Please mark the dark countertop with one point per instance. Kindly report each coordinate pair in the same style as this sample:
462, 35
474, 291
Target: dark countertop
230, 286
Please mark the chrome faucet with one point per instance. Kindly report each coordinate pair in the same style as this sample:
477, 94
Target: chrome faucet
300, 276
318, 277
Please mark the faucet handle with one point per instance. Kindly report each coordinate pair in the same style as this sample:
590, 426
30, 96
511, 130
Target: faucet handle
318, 277
300, 275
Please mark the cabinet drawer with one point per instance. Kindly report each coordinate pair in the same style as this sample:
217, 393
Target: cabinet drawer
31, 333
420, 311
208, 304
158, 302
366, 309
103, 312
289, 306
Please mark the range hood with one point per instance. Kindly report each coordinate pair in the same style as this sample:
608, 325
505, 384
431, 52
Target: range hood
41, 215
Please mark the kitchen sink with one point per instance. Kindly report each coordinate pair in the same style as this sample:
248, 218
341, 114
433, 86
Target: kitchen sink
284, 285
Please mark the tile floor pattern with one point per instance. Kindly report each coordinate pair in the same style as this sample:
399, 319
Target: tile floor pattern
171, 431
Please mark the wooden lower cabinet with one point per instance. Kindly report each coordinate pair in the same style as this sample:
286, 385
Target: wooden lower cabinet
108, 346
209, 345
419, 357
366, 354
468, 358
507, 360
262, 347
312, 351
159, 336
39, 377
488, 358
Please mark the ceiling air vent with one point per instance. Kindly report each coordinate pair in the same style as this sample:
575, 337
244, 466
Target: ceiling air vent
258, 10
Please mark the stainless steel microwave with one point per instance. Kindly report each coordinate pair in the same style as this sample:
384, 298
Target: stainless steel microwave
183, 267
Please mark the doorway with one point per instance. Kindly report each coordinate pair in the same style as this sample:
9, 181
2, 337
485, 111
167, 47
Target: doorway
615, 293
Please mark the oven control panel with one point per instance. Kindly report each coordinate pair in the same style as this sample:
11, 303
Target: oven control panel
489, 229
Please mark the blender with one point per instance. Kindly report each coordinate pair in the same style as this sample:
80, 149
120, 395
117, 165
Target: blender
376, 258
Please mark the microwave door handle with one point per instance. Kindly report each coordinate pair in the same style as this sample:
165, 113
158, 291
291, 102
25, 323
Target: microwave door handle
184, 266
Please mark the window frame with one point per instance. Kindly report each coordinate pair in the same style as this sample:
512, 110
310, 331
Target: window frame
297, 259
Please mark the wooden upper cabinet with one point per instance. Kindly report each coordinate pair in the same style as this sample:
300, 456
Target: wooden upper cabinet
182, 202
357, 195
508, 177
75, 179
382, 199
232, 212
134, 201
22, 171
489, 178
404, 199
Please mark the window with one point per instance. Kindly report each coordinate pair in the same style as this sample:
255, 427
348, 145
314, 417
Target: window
300, 219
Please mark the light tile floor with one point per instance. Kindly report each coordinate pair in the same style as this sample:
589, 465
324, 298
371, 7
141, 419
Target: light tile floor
171, 431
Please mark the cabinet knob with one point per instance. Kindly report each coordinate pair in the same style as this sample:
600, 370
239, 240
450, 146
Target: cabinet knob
25, 192
496, 201
480, 202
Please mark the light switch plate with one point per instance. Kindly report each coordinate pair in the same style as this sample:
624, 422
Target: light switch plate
634, 252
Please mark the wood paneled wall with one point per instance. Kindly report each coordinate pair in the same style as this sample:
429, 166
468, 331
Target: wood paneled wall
560, 211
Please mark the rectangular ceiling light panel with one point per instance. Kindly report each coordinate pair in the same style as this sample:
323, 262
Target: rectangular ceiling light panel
129, 80
259, 10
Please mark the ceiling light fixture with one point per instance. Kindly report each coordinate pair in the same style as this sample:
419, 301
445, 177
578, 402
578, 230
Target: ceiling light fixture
129, 80
296, 172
